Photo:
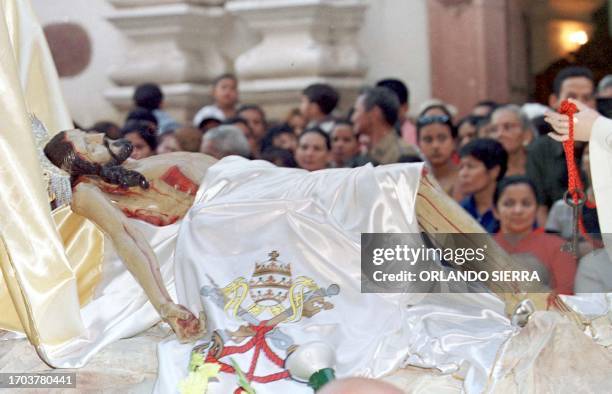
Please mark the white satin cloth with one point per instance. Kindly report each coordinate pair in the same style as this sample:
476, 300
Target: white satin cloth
244, 210
600, 152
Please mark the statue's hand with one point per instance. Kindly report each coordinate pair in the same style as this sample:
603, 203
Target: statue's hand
118, 175
185, 325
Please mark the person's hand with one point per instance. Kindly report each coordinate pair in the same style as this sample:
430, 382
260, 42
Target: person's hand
583, 123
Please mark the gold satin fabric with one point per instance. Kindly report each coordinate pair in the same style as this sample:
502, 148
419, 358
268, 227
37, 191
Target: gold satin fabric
37, 73
84, 244
49, 264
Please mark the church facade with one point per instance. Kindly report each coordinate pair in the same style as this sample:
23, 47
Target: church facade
460, 51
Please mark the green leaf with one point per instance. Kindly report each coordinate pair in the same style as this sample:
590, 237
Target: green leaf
242, 380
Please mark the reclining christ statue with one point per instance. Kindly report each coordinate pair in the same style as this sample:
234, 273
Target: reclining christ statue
235, 212
108, 189
158, 190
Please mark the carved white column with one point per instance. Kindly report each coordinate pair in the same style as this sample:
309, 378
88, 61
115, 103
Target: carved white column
302, 42
175, 43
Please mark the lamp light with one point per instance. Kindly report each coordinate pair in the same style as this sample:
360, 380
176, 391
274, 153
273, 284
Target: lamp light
578, 37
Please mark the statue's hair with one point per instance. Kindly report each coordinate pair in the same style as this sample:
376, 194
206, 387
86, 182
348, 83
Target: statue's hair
62, 154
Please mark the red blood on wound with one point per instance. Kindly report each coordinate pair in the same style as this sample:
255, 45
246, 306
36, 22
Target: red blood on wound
175, 178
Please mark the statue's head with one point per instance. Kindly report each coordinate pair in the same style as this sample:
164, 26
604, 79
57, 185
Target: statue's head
80, 153
71, 148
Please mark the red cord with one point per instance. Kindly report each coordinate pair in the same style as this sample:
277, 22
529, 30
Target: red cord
258, 342
574, 183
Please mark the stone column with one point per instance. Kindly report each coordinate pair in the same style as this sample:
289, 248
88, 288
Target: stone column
302, 42
175, 43
469, 51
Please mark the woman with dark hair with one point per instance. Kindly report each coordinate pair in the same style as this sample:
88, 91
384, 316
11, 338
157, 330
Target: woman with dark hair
142, 135
313, 150
436, 109
515, 207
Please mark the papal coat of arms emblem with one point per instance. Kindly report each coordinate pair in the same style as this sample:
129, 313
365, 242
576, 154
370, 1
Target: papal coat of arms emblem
270, 299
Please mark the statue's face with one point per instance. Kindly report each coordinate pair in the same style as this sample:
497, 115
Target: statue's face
96, 148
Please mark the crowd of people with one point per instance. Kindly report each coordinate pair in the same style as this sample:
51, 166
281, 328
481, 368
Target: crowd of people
496, 162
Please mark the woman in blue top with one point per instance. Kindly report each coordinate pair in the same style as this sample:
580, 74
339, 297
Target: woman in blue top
483, 163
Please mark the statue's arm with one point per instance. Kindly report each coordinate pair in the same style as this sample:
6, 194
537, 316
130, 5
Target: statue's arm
137, 255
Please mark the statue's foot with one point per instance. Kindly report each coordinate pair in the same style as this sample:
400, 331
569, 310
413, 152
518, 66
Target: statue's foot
185, 325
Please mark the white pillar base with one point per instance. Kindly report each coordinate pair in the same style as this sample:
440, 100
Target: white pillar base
303, 42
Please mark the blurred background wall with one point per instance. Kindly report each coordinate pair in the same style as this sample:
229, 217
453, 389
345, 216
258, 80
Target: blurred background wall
460, 51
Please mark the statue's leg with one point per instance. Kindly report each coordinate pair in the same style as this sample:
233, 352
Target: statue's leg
438, 214
139, 258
